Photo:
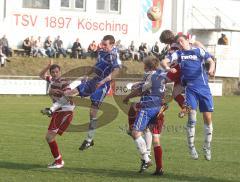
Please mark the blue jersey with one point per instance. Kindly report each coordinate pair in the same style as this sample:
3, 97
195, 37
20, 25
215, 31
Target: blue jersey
193, 72
106, 63
153, 89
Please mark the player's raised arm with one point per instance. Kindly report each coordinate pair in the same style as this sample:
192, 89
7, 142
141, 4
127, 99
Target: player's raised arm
43, 73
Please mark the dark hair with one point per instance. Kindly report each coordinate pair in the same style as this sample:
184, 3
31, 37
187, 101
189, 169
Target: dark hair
110, 38
180, 35
151, 62
167, 37
52, 67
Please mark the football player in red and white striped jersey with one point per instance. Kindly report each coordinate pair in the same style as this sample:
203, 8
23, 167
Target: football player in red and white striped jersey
62, 110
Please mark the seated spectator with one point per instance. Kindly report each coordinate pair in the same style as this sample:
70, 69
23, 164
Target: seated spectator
92, 49
155, 49
76, 49
5, 47
38, 48
48, 46
32, 42
142, 50
27, 46
223, 40
58, 45
131, 49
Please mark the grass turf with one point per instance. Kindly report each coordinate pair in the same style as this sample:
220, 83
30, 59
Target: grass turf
24, 153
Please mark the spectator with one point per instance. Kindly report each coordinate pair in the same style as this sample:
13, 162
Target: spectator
155, 49
5, 47
223, 40
27, 46
92, 49
131, 49
142, 50
3, 57
38, 48
48, 46
119, 46
77, 49
32, 42
58, 45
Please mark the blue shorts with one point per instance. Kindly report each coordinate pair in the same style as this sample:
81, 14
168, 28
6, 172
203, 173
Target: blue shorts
144, 116
199, 96
89, 89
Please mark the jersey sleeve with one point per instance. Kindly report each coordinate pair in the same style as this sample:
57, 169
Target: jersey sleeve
204, 54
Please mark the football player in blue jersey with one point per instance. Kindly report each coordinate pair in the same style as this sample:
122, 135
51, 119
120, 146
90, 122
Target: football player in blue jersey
194, 77
106, 68
151, 92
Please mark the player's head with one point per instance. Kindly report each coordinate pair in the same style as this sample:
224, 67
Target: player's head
150, 63
108, 43
183, 41
55, 71
167, 37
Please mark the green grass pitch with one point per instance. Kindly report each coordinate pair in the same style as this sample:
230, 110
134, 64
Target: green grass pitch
24, 153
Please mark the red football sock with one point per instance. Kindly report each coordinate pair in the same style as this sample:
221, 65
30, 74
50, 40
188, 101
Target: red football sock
158, 157
55, 152
180, 100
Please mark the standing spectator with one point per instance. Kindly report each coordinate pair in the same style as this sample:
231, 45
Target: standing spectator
92, 49
58, 45
27, 46
49, 47
155, 49
5, 47
223, 40
77, 49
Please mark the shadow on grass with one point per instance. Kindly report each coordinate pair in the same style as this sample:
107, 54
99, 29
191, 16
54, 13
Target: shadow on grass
119, 173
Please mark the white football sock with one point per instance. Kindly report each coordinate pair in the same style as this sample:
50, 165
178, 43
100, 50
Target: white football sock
190, 136
141, 146
208, 130
192, 118
148, 139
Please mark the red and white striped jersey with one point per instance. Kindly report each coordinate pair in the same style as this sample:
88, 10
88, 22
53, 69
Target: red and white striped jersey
61, 84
